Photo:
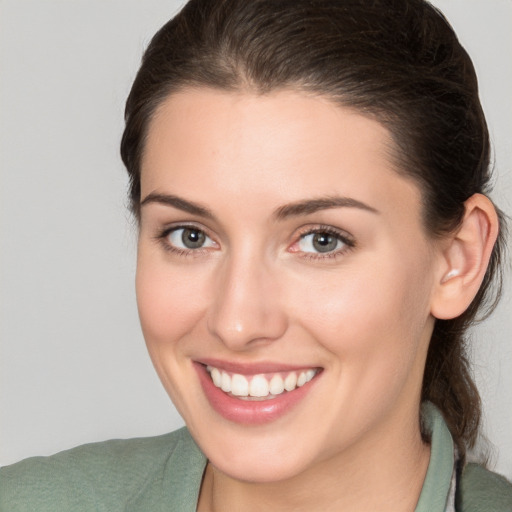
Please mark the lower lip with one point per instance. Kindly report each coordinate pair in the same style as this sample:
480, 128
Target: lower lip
249, 412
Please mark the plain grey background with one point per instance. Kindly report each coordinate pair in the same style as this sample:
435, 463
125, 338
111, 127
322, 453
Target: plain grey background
73, 365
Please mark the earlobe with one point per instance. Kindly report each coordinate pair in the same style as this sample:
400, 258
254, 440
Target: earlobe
464, 259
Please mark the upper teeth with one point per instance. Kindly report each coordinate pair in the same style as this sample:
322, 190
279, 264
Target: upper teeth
261, 385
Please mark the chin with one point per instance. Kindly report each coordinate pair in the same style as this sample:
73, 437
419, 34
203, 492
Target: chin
259, 469
266, 456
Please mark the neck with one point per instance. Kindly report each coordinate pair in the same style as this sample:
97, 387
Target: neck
383, 472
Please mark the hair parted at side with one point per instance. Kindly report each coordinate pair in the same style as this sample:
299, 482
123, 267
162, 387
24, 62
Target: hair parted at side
397, 61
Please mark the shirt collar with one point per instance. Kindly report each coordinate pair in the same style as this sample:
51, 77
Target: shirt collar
438, 492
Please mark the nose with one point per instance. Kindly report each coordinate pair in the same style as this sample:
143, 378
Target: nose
245, 310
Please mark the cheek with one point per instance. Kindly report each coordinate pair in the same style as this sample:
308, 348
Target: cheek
170, 304
376, 331
377, 316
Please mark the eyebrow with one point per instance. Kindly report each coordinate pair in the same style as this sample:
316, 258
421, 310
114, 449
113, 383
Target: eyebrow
305, 207
179, 203
323, 203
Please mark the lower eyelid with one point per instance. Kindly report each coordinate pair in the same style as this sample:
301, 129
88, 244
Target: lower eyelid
185, 253
325, 257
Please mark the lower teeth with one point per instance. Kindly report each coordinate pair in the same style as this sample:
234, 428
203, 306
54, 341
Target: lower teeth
254, 398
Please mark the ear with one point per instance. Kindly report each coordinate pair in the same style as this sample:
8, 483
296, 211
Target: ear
464, 258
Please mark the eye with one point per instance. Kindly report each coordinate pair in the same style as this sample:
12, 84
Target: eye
188, 238
320, 242
323, 242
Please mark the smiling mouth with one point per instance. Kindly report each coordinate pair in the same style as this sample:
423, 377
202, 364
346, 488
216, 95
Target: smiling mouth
263, 386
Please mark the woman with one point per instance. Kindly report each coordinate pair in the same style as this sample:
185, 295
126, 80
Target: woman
309, 180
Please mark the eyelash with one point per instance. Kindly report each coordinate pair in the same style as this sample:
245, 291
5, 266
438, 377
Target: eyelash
343, 237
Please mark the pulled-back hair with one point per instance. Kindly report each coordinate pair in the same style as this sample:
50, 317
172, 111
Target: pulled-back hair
397, 61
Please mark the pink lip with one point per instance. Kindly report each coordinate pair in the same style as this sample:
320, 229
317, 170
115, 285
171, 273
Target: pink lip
248, 412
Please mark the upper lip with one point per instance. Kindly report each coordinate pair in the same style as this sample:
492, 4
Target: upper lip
253, 368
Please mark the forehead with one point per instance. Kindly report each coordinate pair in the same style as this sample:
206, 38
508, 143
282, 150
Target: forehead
276, 147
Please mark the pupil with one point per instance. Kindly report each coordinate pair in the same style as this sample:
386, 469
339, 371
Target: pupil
192, 238
323, 242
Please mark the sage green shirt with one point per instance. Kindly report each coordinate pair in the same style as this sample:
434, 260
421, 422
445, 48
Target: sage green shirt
164, 474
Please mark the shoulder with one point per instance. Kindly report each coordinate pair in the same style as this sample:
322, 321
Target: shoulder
481, 490
99, 476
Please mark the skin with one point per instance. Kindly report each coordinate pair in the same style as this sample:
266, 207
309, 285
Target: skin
255, 293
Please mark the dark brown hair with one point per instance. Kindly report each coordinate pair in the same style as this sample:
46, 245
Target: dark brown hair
399, 62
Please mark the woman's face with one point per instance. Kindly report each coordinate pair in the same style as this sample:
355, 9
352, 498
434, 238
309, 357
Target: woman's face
281, 257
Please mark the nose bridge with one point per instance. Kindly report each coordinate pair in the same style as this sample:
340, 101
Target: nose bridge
245, 306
